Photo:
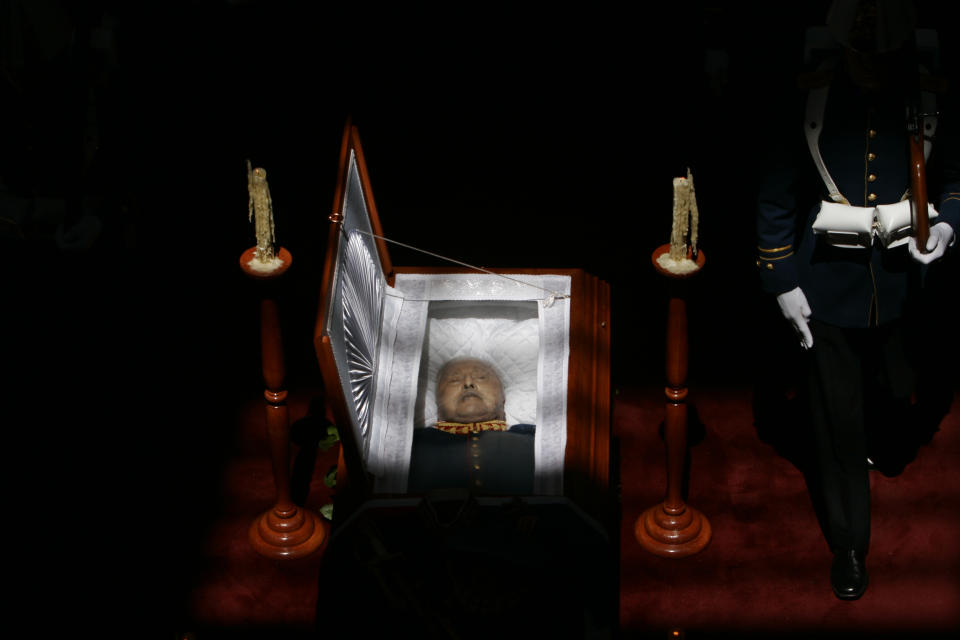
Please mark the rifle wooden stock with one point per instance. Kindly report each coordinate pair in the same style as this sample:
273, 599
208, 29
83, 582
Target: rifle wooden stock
918, 191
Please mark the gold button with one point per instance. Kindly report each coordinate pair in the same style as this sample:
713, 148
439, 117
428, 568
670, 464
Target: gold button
871, 157
476, 467
873, 133
770, 266
872, 197
872, 177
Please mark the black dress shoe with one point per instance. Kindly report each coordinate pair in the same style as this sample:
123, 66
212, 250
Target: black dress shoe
848, 575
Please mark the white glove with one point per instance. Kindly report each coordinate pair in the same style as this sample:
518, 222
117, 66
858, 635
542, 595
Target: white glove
941, 237
794, 306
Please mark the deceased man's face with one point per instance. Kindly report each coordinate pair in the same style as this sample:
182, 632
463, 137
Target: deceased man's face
469, 391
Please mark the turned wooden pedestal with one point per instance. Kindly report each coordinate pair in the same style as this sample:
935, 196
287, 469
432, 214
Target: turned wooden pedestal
673, 528
286, 530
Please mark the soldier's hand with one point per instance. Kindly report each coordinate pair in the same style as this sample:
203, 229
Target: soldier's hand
941, 237
794, 306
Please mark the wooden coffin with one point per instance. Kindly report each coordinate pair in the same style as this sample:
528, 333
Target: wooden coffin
357, 292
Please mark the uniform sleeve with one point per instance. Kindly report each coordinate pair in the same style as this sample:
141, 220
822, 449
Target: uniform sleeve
777, 202
949, 208
946, 162
776, 228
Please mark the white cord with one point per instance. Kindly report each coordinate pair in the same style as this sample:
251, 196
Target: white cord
547, 302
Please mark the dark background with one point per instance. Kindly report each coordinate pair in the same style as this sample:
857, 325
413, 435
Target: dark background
502, 136
534, 137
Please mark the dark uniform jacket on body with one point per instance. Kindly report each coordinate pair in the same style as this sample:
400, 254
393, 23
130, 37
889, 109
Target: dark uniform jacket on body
864, 146
487, 462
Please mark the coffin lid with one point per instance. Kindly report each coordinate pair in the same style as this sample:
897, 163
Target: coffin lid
356, 271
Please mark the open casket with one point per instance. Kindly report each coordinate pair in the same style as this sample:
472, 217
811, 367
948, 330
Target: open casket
383, 331
381, 334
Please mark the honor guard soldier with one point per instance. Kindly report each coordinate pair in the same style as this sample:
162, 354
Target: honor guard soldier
836, 247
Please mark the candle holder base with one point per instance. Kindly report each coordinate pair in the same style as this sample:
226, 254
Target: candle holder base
672, 533
292, 533
265, 270
671, 268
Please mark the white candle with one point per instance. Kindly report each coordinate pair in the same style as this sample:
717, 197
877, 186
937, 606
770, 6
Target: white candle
678, 234
261, 207
686, 217
694, 212
683, 235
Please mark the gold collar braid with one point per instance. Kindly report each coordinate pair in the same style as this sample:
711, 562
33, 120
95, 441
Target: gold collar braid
463, 428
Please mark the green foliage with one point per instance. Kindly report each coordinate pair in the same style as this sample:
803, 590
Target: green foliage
330, 439
330, 479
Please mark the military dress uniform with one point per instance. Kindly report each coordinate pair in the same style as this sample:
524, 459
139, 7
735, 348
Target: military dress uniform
485, 458
858, 297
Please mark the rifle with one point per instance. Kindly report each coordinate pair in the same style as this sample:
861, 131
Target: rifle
918, 179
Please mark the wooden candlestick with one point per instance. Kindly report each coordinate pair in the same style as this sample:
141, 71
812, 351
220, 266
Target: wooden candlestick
286, 530
673, 528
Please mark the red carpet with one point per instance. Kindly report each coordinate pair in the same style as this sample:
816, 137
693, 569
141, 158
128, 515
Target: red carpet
235, 589
766, 568
763, 574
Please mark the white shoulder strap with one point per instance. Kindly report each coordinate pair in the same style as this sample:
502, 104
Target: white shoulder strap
812, 126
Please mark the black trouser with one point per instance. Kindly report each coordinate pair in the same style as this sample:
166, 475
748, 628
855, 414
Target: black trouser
859, 383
